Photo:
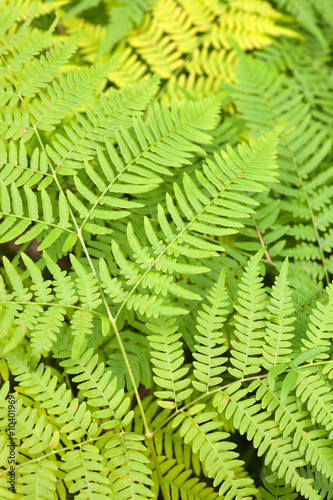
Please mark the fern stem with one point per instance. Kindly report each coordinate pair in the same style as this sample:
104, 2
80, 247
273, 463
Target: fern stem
263, 244
158, 468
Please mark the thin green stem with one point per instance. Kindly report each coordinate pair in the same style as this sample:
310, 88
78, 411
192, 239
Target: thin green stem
158, 469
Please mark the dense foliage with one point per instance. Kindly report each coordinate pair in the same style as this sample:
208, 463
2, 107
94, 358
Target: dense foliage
166, 227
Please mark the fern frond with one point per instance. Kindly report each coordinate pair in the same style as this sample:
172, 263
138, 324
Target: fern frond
305, 14
72, 419
62, 284
119, 210
231, 173
137, 349
38, 433
320, 483
42, 71
300, 166
86, 285
156, 48
86, 473
201, 12
145, 153
16, 124
124, 450
146, 304
43, 8
32, 216
123, 17
249, 325
38, 480
130, 68
170, 32
209, 363
247, 29
106, 117
180, 482
88, 294
167, 358
89, 45
175, 22
69, 94
130, 476
9, 15
314, 389
279, 328
42, 333
46, 331
216, 453
273, 487
27, 46
293, 421
320, 326
100, 386
279, 451
217, 65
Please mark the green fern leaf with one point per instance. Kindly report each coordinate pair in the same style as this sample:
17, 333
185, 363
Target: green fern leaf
276, 349
249, 322
209, 363
67, 95
180, 482
72, 419
167, 358
319, 327
130, 476
216, 454
39, 479
43, 70
108, 115
248, 417
87, 473
122, 18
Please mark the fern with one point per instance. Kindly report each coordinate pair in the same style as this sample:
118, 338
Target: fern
166, 240
279, 326
209, 362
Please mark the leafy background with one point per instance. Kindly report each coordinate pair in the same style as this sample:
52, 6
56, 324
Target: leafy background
119, 119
